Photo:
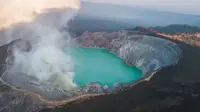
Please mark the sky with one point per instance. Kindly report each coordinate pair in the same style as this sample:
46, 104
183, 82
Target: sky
179, 6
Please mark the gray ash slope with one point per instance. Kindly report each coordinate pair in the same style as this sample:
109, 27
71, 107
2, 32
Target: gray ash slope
13, 99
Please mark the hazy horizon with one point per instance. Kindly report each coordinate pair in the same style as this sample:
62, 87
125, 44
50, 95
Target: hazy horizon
178, 6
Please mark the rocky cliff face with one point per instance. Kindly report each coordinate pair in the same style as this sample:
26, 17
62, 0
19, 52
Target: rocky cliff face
147, 53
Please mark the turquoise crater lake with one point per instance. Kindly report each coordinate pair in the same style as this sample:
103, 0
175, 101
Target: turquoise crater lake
99, 65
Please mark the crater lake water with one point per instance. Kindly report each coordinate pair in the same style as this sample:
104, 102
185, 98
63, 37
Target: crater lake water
99, 65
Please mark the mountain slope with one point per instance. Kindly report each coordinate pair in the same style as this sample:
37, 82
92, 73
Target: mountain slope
134, 15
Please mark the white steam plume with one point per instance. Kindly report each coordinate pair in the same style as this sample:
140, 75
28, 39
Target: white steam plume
40, 62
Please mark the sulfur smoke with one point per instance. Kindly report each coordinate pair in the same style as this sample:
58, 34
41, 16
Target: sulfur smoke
39, 61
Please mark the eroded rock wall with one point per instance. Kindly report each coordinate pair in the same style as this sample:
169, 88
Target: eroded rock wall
147, 53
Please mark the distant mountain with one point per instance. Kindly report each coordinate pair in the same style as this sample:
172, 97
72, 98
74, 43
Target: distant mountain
177, 28
170, 29
100, 16
85, 23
